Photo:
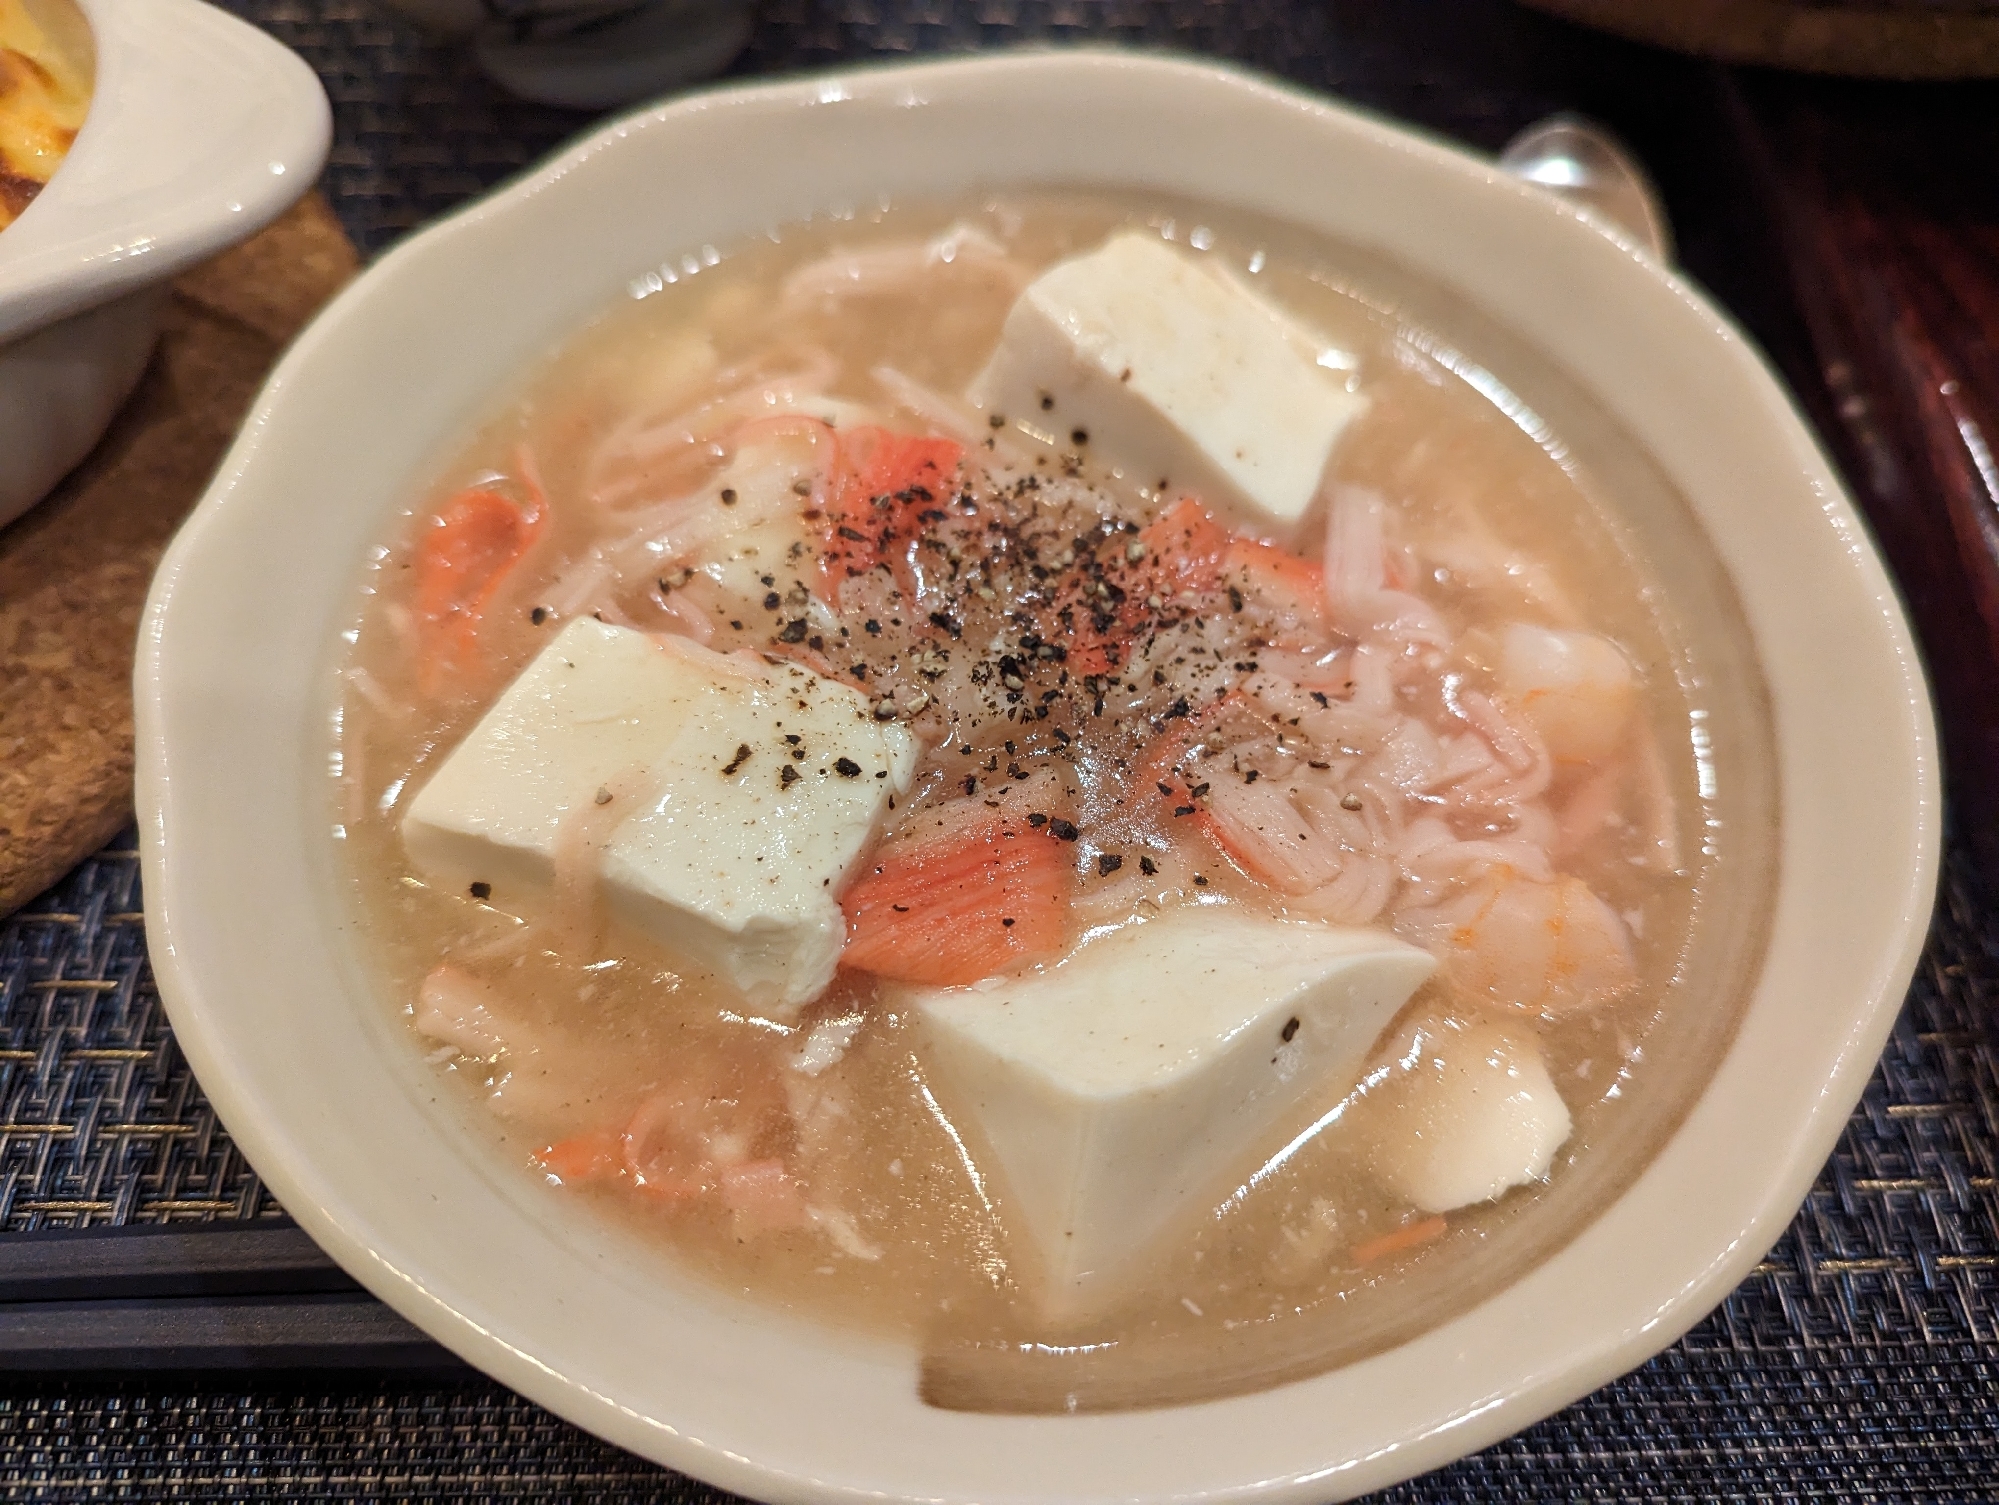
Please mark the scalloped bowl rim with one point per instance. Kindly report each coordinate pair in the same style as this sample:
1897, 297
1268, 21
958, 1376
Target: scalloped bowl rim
233, 682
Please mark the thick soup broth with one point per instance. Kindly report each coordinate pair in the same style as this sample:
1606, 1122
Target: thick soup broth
1125, 702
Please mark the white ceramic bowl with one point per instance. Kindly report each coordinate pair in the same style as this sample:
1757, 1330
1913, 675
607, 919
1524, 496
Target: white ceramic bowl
270, 997
201, 131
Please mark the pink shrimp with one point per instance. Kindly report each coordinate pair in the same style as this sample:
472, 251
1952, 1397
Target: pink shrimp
1539, 947
1577, 689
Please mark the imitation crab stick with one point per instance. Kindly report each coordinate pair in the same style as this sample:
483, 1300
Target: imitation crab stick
1193, 552
955, 909
1185, 554
1179, 551
461, 560
887, 483
1158, 771
1286, 585
1186, 546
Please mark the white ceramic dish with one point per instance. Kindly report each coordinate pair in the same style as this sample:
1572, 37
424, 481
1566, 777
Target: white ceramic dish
271, 1001
201, 131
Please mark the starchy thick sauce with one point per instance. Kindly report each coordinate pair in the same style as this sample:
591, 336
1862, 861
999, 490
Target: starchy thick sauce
1042, 628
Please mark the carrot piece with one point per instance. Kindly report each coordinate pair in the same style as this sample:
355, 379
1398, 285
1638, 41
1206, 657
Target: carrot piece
959, 908
594, 1156
1408, 1236
887, 482
461, 559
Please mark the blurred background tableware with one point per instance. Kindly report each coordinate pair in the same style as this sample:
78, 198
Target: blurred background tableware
115, 315
592, 54
1578, 160
1902, 39
201, 130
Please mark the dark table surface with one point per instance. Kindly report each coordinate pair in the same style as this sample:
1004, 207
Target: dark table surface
1860, 1361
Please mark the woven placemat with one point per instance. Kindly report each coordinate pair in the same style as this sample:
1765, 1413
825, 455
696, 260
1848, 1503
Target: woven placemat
1860, 1361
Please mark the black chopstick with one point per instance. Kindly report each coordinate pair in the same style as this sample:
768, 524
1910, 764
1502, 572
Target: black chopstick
204, 1297
233, 1259
324, 1331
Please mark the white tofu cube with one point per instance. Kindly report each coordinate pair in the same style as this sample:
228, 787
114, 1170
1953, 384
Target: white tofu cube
1176, 372
704, 840
1130, 1087
1470, 1114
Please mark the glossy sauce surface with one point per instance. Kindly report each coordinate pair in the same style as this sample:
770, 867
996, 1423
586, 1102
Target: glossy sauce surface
1074, 676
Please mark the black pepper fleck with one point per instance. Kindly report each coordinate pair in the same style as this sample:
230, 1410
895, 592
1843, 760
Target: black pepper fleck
742, 756
1108, 863
482, 890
